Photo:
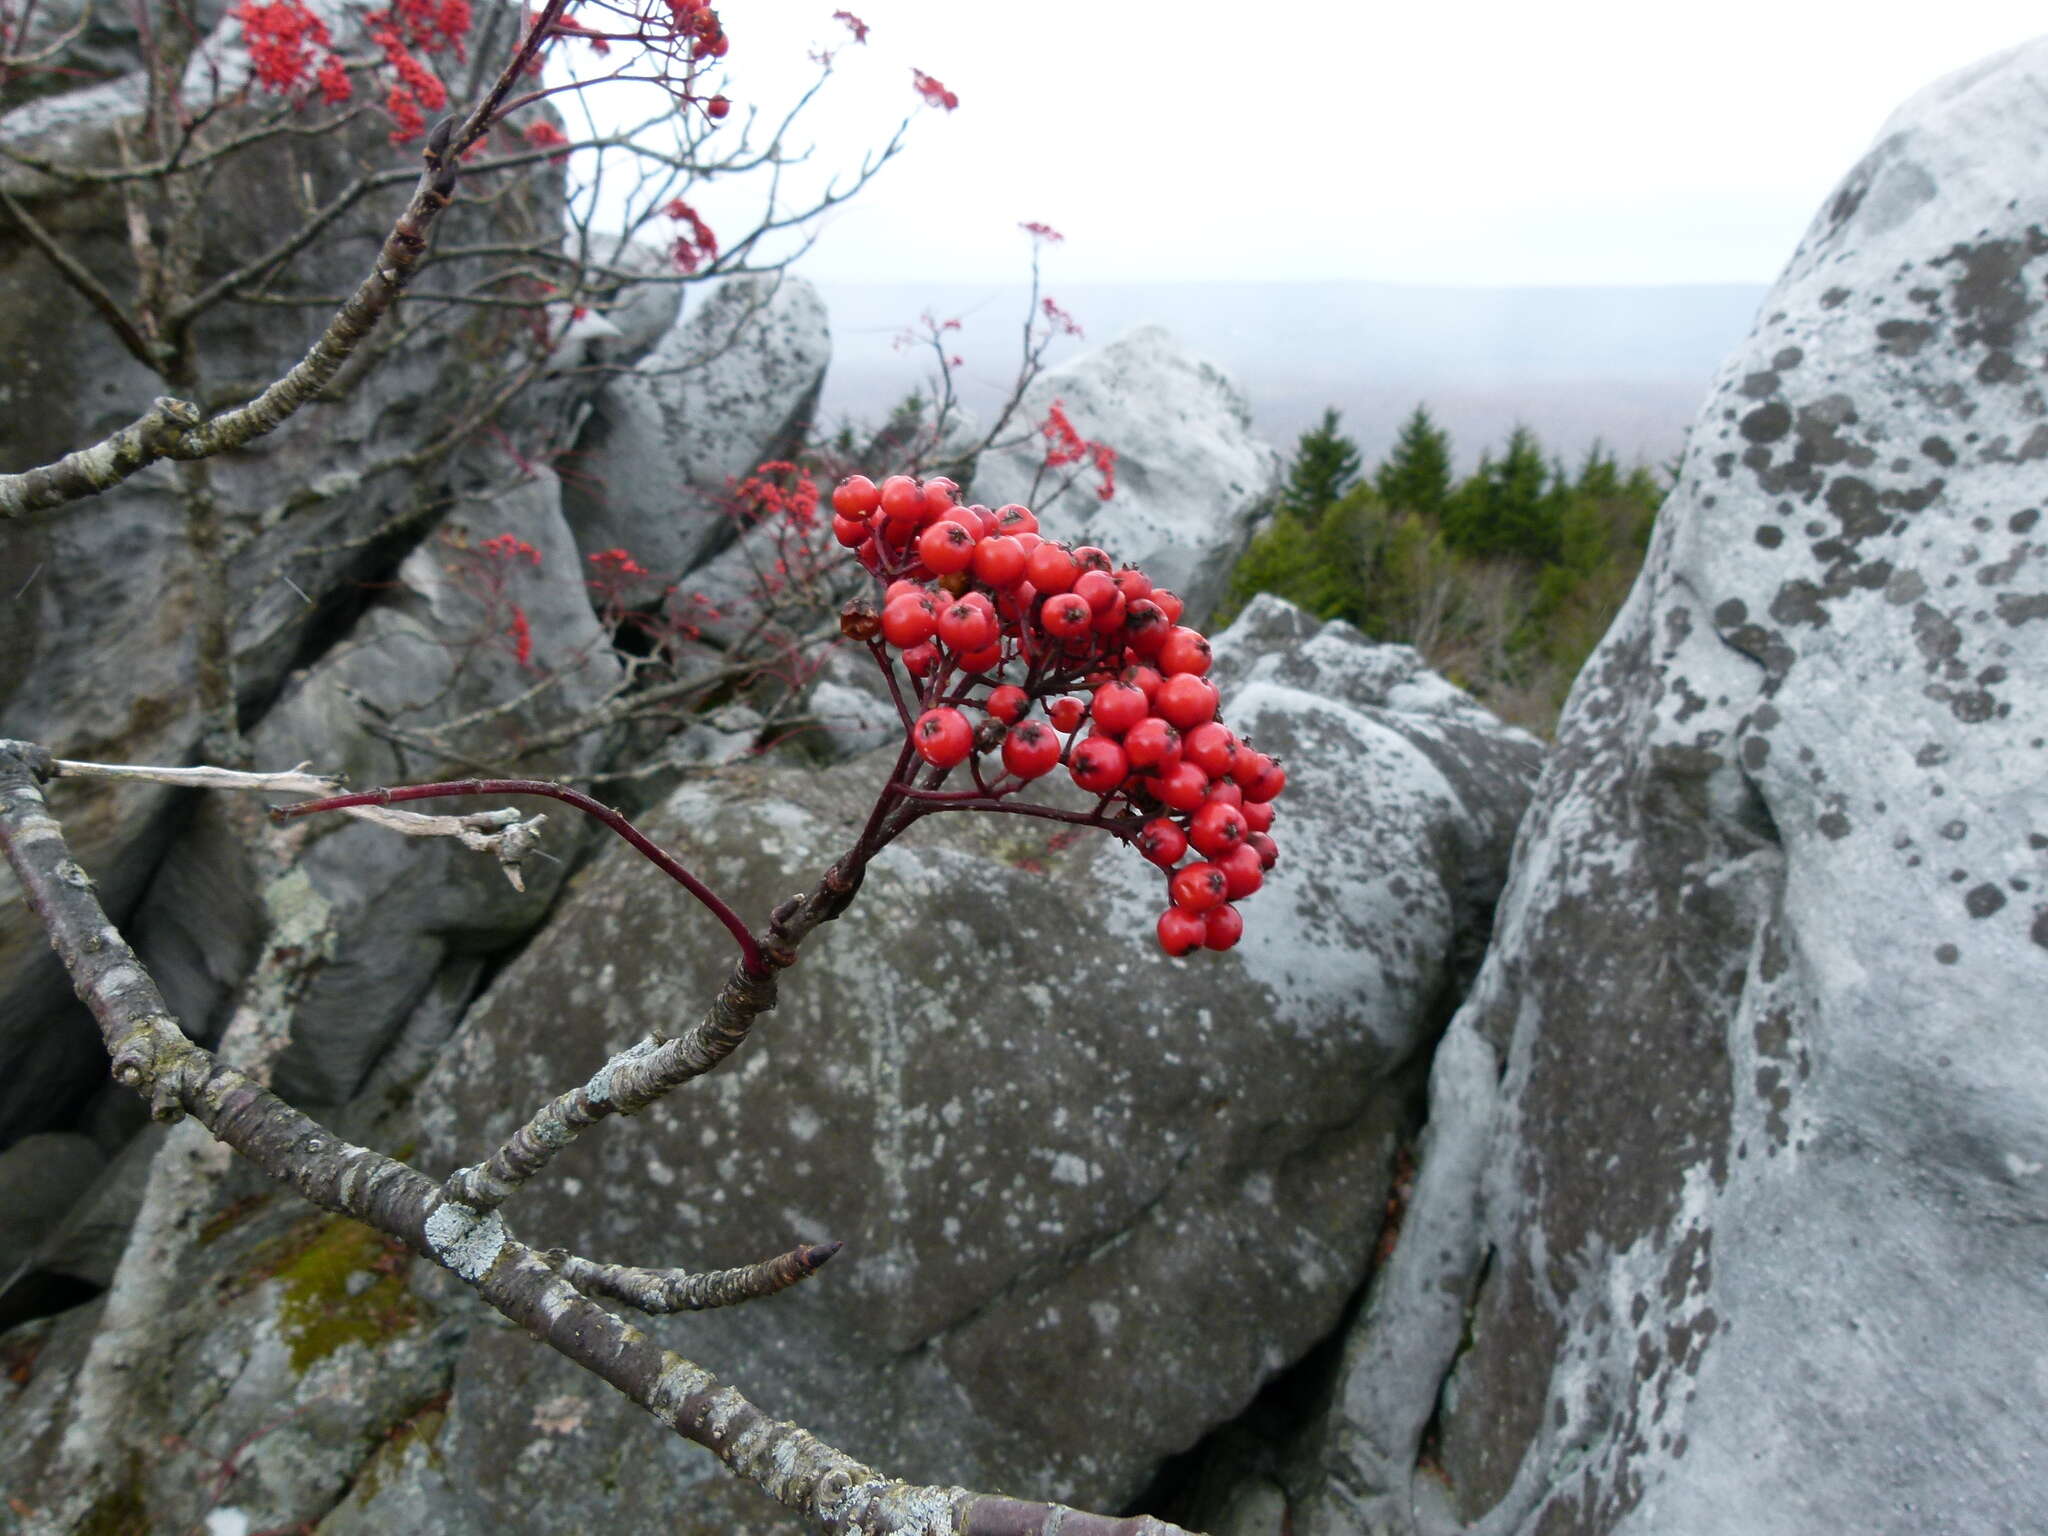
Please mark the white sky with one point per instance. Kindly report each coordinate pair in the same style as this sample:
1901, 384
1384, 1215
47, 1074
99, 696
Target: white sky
1576, 141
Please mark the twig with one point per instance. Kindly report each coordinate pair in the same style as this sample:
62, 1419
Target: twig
657, 1291
750, 953
500, 833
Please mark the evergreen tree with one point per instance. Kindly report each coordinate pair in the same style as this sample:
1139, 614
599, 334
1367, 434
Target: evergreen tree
1324, 467
1510, 506
1599, 476
1416, 476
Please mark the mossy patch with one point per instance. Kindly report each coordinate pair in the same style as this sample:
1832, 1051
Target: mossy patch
343, 1284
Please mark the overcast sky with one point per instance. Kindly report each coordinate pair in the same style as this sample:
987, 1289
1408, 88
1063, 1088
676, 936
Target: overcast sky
1581, 141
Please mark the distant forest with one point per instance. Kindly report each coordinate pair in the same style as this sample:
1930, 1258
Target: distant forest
1504, 580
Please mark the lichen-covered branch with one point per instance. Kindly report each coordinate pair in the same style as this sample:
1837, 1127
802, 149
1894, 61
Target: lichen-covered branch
625, 1085
823, 1485
657, 1291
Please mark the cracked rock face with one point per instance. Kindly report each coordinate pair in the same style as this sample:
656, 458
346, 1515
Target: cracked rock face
1738, 1147
729, 387
1092, 1198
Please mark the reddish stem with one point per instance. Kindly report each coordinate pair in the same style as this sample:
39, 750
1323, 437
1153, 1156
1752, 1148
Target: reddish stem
653, 852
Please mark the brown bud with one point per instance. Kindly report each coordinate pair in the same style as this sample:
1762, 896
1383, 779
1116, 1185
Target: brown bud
956, 582
859, 621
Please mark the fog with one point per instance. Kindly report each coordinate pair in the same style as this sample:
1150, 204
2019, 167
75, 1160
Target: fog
1627, 366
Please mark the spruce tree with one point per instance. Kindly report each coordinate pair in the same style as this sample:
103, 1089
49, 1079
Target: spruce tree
1325, 466
1416, 476
1510, 506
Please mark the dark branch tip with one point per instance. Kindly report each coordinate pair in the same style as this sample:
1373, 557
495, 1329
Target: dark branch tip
817, 1255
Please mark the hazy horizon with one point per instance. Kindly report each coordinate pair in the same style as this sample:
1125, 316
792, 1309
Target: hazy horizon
1628, 366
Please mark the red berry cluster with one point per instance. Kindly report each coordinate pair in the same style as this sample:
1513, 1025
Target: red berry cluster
974, 597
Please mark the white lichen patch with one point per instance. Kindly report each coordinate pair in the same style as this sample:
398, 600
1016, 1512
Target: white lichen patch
468, 1241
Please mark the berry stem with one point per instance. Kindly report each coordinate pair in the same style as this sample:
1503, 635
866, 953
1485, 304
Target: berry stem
887, 663
750, 951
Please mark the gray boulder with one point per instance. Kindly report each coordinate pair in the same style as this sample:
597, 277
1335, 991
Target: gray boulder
1057, 1157
1729, 1214
731, 386
1191, 475
387, 912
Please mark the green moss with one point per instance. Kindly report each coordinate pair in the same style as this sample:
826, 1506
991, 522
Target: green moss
318, 1314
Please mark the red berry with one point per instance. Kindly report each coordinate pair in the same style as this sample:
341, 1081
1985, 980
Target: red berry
1152, 743
1143, 677
966, 626
1098, 765
850, 531
1181, 932
1198, 887
1249, 765
855, 496
1147, 624
1030, 749
1222, 927
1258, 816
919, 659
1186, 701
1183, 786
1052, 569
999, 561
1111, 619
1133, 583
946, 547
1067, 615
1007, 703
1015, 519
901, 499
1169, 603
1118, 707
938, 495
1097, 588
1242, 871
1211, 747
988, 659
1227, 793
716, 108
1217, 828
910, 619
1268, 850
1065, 714
1089, 558
1014, 603
1162, 841
900, 588
942, 737
1267, 784
1184, 650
